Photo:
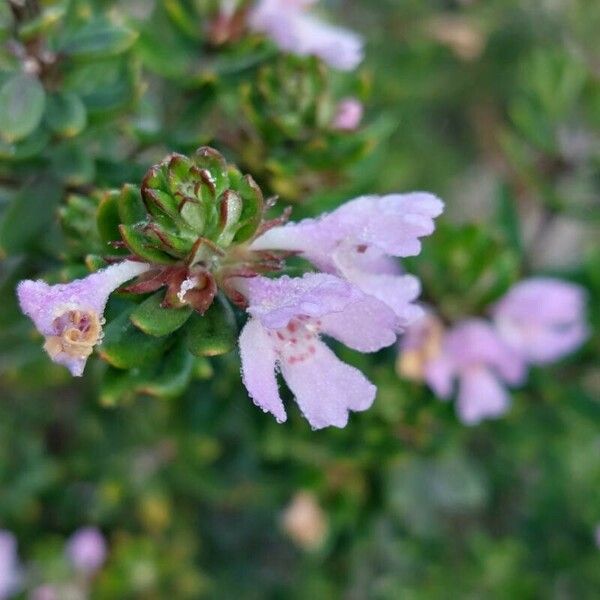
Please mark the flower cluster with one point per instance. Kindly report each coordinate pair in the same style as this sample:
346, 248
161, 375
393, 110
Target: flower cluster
85, 554
537, 322
204, 234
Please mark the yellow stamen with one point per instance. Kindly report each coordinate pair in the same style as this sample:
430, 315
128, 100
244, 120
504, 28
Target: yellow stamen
412, 362
78, 332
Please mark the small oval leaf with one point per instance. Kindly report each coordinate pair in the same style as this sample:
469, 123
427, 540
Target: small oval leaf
214, 332
166, 378
153, 319
125, 346
22, 100
99, 39
65, 114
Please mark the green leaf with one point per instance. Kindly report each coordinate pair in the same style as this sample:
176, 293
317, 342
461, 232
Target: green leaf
105, 86
173, 375
202, 368
6, 21
508, 218
65, 114
213, 333
124, 346
107, 217
73, 164
30, 213
153, 319
117, 386
230, 209
22, 100
31, 146
93, 262
252, 208
140, 245
166, 379
42, 23
98, 39
208, 158
186, 21
131, 207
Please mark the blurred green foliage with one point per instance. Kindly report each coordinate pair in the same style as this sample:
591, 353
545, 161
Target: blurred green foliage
493, 105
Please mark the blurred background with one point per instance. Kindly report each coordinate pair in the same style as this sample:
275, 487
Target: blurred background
494, 105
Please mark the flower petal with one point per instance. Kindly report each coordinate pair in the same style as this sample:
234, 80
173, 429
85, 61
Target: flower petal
258, 369
313, 238
326, 388
374, 273
276, 301
439, 375
43, 303
367, 325
475, 341
348, 115
86, 549
48, 304
293, 30
543, 299
393, 223
542, 319
481, 396
75, 365
10, 569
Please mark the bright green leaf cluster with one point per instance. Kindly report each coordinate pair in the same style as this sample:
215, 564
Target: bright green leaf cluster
184, 204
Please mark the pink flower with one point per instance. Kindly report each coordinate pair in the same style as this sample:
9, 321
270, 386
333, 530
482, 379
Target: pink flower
294, 30
287, 317
86, 549
473, 353
542, 319
10, 571
69, 315
348, 114
357, 241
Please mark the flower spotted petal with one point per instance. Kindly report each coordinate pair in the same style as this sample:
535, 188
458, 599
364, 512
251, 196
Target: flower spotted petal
327, 388
287, 317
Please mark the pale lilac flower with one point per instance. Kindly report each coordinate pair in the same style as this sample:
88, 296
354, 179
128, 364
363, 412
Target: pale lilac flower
10, 570
542, 319
348, 115
86, 549
420, 344
293, 29
473, 353
287, 317
357, 241
69, 315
